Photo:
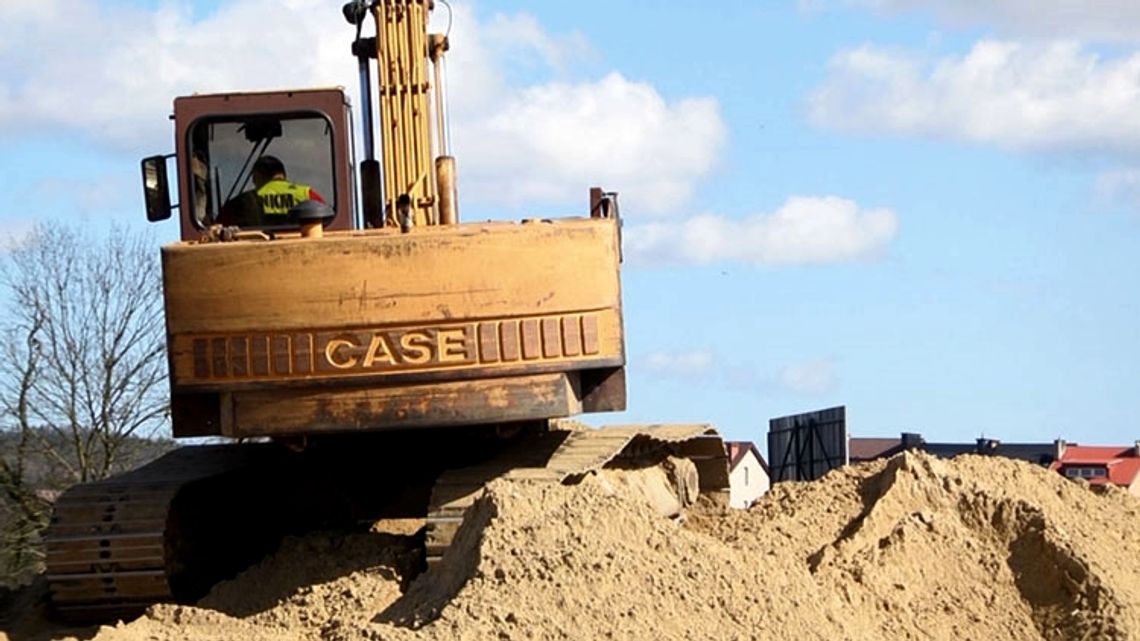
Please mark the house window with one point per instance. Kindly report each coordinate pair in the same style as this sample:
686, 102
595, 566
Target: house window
1086, 472
745, 476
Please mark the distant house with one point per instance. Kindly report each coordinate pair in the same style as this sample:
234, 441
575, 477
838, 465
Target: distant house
1101, 465
748, 477
1036, 453
867, 449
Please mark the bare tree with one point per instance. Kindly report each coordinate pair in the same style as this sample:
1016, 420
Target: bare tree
82, 367
86, 347
25, 513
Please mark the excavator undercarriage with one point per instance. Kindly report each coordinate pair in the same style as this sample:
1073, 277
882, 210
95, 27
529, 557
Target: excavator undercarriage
167, 531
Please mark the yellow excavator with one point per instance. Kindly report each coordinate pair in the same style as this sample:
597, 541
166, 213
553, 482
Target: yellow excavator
360, 352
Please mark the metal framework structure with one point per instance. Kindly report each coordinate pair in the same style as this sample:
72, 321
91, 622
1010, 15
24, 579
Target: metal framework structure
419, 175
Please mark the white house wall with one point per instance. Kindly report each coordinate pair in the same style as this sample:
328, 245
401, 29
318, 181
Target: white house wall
747, 482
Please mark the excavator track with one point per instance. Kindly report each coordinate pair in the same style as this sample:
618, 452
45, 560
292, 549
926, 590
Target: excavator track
565, 457
116, 546
168, 531
171, 529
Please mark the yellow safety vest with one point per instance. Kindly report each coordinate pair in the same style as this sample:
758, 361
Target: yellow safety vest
277, 197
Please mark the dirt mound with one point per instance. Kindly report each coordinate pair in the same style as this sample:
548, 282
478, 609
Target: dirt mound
910, 548
974, 548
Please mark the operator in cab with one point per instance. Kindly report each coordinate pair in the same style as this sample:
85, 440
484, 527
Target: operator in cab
272, 197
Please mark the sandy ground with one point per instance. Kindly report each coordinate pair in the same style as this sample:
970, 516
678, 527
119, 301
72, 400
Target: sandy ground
910, 548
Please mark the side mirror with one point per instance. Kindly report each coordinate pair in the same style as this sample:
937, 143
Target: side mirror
156, 188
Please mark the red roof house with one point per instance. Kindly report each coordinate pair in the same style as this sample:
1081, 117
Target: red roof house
1101, 465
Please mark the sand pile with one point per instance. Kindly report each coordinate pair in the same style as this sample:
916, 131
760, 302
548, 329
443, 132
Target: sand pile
910, 548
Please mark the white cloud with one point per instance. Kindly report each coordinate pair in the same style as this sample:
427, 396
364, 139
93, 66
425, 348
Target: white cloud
804, 230
517, 38
16, 232
678, 364
109, 72
555, 139
1101, 20
806, 378
86, 195
1120, 185
1054, 96
811, 378
549, 142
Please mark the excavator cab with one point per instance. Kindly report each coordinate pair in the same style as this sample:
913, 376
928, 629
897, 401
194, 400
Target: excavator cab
219, 140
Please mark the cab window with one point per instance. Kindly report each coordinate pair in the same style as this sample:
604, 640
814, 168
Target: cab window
251, 170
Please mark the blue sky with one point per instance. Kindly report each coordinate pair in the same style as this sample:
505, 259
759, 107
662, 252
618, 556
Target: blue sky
925, 210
